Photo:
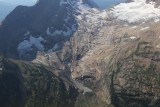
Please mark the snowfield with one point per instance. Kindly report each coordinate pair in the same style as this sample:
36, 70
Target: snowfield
26, 45
136, 11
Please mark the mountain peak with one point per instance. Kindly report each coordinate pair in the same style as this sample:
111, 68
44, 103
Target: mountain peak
79, 56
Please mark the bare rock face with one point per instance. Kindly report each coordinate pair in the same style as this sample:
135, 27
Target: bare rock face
122, 65
157, 2
25, 84
48, 22
135, 80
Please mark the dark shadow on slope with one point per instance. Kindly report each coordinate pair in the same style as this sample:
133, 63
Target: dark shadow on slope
36, 20
29, 85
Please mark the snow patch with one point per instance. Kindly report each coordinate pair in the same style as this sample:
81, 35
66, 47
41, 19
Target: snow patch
26, 45
145, 28
134, 27
61, 32
27, 33
83, 8
132, 37
91, 16
103, 14
136, 11
54, 48
158, 46
37, 42
63, 2
157, 20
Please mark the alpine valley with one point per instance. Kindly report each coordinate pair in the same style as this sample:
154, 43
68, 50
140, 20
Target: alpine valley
70, 53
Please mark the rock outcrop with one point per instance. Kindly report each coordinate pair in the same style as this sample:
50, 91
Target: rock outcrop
24, 84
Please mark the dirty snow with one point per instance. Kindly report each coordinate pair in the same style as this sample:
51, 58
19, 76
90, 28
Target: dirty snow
145, 28
134, 27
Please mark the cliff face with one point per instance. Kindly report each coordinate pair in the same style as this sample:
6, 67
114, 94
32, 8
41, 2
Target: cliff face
29, 85
136, 78
128, 66
52, 21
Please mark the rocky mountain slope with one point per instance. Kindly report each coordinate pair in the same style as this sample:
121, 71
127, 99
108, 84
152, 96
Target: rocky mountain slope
38, 28
24, 84
100, 58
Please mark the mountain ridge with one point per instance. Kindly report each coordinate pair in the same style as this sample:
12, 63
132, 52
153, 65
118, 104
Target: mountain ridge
110, 60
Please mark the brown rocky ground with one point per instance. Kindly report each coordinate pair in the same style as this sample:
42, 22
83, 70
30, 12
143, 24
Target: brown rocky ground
119, 62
